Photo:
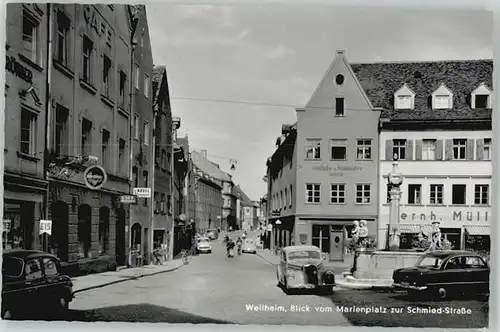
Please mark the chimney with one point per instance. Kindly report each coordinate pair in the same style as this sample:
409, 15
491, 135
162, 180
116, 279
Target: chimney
204, 153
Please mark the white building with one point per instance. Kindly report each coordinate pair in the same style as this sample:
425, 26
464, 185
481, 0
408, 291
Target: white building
437, 119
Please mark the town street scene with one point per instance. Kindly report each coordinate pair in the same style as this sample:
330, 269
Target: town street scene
204, 164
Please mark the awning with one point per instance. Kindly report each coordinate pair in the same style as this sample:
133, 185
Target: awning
414, 228
477, 229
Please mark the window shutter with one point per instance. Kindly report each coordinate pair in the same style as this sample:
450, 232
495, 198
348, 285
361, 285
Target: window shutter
418, 149
439, 149
448, 151
479, 149
409, 149
388, 150
470, 149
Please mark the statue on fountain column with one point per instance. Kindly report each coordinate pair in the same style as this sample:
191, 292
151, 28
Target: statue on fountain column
395, 180
362, 233
435, 237
355, 232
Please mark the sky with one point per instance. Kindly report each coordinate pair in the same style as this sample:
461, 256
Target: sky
236, 73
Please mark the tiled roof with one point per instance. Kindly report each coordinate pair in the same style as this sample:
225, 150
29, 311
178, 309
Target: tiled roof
160, 72
206, 166
245, 200
381, 80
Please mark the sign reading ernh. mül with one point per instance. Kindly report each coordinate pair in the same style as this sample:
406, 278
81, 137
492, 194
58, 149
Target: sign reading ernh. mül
95, 177
142, 192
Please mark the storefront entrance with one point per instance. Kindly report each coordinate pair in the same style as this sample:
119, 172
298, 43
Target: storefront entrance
336, 245
19, 224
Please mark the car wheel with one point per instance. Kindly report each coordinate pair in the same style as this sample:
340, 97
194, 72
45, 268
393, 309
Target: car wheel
7, 314
63, 304
442, 293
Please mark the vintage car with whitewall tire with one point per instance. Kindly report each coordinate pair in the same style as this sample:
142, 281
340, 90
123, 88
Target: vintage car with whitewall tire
33, 280
203, 245
249, 246
444, 274
301, 267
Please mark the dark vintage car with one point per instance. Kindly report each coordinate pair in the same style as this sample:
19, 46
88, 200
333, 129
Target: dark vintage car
301, 267
443, 273
33, 279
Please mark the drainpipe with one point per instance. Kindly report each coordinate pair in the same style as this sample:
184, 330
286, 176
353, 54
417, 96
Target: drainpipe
48, 108
152, 171
172, 185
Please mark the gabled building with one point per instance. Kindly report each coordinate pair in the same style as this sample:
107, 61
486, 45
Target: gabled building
436, 119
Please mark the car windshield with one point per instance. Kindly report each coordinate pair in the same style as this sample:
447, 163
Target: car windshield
203, 241
12, 267
304, 254
430, 261
249, 241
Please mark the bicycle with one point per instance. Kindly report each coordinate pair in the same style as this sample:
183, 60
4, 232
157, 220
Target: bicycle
186, 256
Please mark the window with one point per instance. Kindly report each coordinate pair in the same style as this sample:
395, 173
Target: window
105, 148
399, 148
282, 202
137, 76
474, 262
442, 102
487, 149
86, 144
164, 159
429, 149
121, 155
436, 194
30, 37
60, 128
28, 132
339, 106
458, 194
321, 237
481, 194
414, 194
135, 177
33, 269
291, 192
403, 102
364, 149
339, 79
162, 203
12, 267
146, 133
50, 267
339, 149
286, 197
137, 129
146, 85
482, 101
363, 194
62, 49
313, 148
123, 86
313, 193
459, 149
337, 194
88, 47
106, 77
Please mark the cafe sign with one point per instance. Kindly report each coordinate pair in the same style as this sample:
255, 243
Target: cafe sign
95, 177
97, 23
337, 170
471, 216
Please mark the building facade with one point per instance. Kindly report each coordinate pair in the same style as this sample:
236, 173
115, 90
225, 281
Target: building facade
89, 123
437, 120
330, 160
163, 214
25, 184
141, 213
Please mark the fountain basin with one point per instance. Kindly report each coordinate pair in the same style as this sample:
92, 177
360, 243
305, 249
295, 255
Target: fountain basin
381, 264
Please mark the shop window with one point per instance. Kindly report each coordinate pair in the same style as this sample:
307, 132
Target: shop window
136, 236
84, 230
18, 226
103, 230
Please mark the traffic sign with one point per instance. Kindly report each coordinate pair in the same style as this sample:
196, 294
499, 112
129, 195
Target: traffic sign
46, 227
142, 192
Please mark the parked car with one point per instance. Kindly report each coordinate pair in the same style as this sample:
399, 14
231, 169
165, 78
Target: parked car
301, 267
443, 273
213, 234
33, 279
203, 245
249, 246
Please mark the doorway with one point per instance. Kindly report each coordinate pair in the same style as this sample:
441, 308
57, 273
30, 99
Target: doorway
336, 245
121, 257
321, 237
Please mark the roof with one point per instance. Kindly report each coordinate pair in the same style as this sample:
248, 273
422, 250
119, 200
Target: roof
25, 254
381, 80
208, 167
297, 248
159, 73
245, 200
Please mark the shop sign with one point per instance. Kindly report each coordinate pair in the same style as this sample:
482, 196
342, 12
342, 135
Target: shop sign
15, 67
46, 227
453, 215
142, 192
95, 177
128, 199
337, 170
97, 23
7, 225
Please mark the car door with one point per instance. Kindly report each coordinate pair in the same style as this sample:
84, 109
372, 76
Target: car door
452, 275
477, 275
54, 287
35, 281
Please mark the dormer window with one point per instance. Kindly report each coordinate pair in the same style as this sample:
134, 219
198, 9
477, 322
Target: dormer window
481, 97
404, 98
442, 98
